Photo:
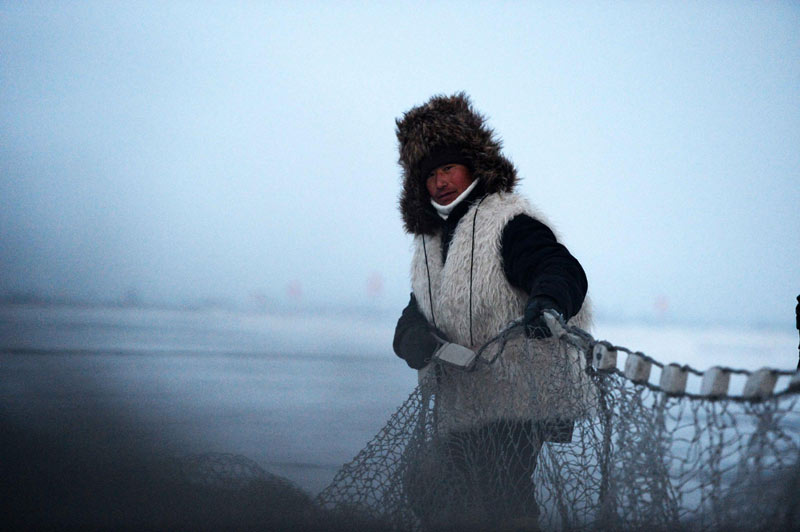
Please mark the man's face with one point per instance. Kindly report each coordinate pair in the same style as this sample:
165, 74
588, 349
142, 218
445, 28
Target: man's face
447, 182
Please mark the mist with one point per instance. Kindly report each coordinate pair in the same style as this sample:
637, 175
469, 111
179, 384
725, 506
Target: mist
171, 153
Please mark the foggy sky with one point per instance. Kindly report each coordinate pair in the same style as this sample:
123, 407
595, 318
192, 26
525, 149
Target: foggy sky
232, 150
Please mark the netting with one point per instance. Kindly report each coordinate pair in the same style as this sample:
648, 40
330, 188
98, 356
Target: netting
599, 449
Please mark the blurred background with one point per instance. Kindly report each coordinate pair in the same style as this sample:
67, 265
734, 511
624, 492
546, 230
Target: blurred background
243, 153
200, 245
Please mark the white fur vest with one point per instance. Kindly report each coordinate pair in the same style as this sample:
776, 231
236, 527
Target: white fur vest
531, 379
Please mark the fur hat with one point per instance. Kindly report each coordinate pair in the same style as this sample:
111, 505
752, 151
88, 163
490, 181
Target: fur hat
446, 124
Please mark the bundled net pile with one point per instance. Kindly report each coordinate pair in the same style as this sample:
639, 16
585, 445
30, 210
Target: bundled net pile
608, 449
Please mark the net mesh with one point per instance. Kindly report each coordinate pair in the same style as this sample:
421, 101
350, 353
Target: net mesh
600, 448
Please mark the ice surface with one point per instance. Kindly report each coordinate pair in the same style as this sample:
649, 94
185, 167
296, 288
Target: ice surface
300, 394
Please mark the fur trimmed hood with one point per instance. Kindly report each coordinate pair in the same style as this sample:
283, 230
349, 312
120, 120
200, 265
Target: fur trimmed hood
446, 121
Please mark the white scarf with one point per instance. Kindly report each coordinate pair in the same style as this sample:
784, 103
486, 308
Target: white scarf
445, 210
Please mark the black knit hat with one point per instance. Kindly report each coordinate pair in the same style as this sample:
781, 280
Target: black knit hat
443, 155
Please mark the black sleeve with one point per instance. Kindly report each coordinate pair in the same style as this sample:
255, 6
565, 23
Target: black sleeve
534, 261
413, 338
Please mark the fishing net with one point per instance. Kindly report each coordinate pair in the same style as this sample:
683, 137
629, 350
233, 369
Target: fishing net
599, 449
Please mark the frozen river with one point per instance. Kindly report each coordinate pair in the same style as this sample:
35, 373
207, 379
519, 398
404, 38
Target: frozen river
300, 394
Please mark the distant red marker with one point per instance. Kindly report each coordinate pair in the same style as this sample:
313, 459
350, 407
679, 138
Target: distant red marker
294, 290
374, 284
661, 305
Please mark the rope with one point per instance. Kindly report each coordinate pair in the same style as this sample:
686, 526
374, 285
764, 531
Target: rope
584, 341
471, 264
430, 290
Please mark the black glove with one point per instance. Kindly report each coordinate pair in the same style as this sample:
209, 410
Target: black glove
414, 339
416, 347
535, 325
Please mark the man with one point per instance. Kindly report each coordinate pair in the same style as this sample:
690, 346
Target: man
484, 257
